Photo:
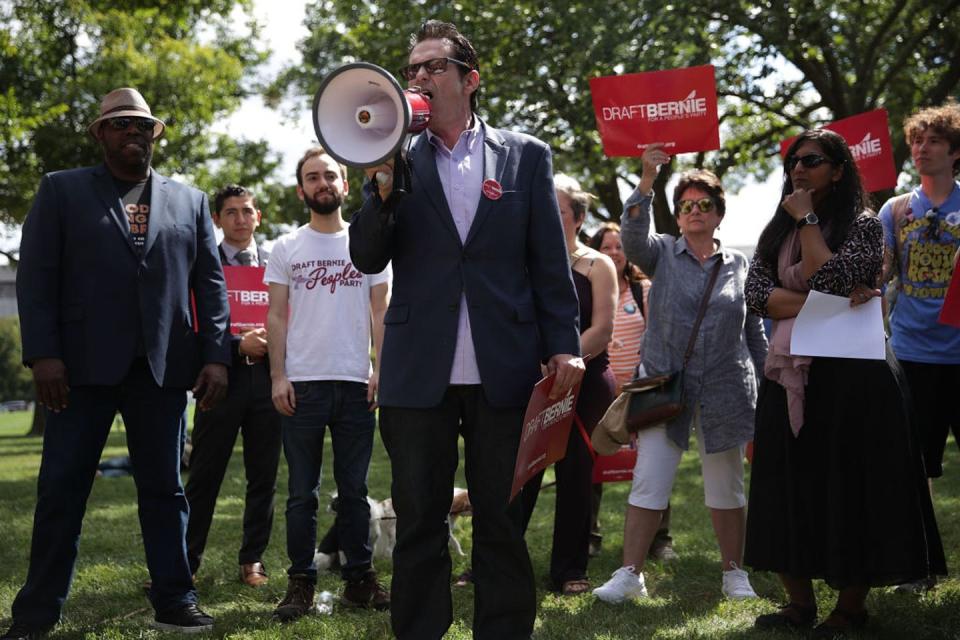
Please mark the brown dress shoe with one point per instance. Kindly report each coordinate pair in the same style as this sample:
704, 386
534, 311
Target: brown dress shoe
253, 574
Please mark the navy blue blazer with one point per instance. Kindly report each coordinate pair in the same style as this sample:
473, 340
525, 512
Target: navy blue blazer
513, 269
83, 289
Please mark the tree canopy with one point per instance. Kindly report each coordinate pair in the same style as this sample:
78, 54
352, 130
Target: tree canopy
194, 61
781, 67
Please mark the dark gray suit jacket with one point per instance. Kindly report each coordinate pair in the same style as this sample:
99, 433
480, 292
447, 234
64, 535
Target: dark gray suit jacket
513, 269
85, 294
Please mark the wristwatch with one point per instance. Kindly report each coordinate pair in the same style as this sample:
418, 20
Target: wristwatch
809, 218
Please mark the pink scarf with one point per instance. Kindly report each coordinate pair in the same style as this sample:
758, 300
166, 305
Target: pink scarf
781, 367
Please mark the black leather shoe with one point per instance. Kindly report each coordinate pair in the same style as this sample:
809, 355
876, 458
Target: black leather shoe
790, 616
186, 619
839, 623
20, 631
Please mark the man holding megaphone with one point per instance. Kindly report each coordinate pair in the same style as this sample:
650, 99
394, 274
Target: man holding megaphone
482, 297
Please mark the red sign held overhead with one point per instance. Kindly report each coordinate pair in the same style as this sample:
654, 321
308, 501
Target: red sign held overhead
677, 107
546, 430
248, 298
868, 136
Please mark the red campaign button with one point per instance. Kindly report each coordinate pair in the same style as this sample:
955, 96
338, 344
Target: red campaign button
492, 189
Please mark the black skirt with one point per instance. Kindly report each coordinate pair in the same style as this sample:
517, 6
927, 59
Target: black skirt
847, 500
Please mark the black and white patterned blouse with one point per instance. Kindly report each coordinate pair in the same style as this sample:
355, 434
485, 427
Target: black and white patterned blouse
857, 261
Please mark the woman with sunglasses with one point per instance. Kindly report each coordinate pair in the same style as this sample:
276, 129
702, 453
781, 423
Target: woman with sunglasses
837, 489
720, 379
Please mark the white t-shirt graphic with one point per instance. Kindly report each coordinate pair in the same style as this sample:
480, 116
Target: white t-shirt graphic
328, 335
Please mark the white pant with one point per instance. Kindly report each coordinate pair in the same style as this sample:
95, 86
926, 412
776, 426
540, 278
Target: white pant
657, 460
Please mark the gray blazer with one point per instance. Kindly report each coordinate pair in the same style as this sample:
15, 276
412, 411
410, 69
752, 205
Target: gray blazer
727, 362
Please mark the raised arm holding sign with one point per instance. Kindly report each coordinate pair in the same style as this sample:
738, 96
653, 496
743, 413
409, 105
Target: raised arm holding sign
677, 107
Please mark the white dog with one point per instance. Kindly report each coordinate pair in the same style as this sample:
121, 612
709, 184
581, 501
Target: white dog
383, 530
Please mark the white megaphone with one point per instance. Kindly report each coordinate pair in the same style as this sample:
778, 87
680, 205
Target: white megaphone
362, 115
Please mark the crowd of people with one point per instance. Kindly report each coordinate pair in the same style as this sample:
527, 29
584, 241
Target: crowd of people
468, 288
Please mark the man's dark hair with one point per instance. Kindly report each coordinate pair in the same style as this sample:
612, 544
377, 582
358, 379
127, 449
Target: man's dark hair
462, 49
232, 191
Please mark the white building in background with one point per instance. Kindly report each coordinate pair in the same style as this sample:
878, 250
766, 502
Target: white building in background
8, 291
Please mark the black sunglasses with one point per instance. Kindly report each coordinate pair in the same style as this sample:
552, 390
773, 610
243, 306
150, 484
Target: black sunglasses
809, 161
933, 223
432, 66
121, 124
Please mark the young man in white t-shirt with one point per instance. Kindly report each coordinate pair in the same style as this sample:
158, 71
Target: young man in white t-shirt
319, 328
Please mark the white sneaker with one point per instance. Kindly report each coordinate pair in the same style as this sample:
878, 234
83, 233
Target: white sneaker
625, 583
736, 584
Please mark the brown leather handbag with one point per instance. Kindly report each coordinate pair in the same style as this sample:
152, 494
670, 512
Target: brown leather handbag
656, 399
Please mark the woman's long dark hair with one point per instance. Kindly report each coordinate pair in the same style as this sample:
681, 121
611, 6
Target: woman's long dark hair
837, 210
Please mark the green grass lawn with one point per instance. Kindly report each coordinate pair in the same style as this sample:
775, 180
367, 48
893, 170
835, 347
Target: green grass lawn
107, 601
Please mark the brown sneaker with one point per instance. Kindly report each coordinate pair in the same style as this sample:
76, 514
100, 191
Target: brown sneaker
365, 591
253, 574
299, 599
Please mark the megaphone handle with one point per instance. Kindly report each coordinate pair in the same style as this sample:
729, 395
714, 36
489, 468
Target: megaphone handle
402, 177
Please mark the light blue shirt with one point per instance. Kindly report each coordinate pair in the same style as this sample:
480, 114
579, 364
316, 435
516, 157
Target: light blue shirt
461, 174
926, 268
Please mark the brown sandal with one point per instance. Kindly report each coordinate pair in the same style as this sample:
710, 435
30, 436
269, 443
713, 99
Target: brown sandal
575, 587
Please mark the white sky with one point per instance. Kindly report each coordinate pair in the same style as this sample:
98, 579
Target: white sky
282, 20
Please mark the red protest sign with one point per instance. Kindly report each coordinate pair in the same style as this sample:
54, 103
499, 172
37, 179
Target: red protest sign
950, 312
677, 107
868, 136
546, 430
248, 298
618, 467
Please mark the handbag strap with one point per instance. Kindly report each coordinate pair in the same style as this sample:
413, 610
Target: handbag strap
702, 310
586, 438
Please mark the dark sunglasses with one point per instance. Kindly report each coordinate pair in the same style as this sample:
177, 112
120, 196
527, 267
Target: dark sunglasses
809, 161
432, 66
933, 223
704, 204
121, 124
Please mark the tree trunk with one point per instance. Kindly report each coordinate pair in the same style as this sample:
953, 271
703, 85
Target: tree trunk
662, 218
39, 420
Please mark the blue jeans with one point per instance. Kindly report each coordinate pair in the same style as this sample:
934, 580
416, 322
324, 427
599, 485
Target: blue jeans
342, 406
72, 443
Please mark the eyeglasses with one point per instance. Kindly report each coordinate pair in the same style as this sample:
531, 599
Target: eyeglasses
704, 204
432, 66
933, 223
121, 124
809, 161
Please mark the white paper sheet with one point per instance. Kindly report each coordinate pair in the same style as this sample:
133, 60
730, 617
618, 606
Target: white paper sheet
828, 326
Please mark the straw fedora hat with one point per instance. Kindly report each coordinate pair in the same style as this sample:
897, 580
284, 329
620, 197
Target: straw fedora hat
126, 102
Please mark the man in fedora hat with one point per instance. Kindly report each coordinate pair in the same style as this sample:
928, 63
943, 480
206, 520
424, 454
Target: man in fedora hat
110, 256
